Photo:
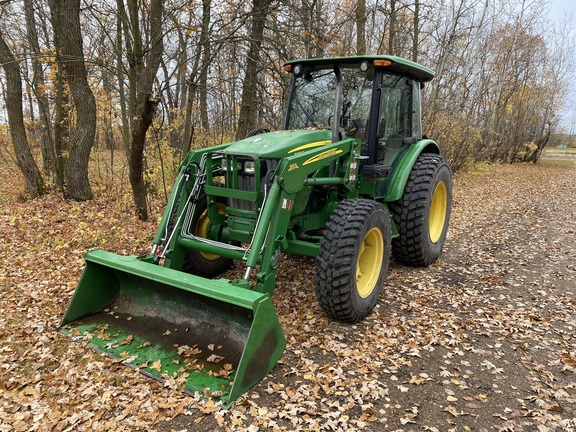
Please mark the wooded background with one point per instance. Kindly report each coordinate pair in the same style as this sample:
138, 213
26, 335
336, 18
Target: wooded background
149, 80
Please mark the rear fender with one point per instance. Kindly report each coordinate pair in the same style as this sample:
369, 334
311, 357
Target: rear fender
401, 172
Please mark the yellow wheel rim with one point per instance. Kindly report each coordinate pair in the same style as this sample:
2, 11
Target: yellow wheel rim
202, 228
369, 262
438, 208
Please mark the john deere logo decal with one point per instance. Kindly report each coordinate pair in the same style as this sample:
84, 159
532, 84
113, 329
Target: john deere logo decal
323, 155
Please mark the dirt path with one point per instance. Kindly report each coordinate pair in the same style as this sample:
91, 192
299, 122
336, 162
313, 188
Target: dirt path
483, 340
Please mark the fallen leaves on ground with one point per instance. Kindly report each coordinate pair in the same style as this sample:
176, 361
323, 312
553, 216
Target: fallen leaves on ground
482, 340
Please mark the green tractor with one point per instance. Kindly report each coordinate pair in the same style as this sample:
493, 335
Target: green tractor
350, 180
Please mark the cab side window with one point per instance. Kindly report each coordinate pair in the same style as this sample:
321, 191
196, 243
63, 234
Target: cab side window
396, 116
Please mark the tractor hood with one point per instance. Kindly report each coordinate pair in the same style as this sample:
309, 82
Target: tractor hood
280, 144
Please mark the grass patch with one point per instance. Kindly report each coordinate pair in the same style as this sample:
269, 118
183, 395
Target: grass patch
554, 162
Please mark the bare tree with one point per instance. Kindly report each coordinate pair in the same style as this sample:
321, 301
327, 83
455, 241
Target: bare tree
24, 157
248, 106
392, 27
144, 52
416, 21
39, 85
361, 27
205, 50
68, 38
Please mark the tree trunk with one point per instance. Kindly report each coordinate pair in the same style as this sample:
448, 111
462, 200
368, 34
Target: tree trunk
171, 104
144, 62
24, 158
188, 133
392, 27
249, 104
61, 123
38, 84
361, 27
108, 114
140, 126
416, 42
121, 28
205, 47
61, 117
69, 39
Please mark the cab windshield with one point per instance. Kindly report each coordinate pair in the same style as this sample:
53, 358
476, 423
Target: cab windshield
313, 99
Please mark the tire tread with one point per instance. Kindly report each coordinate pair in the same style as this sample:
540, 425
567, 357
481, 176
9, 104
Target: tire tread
410, 212
335, 268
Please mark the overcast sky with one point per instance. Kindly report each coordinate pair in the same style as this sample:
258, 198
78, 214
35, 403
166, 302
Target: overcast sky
560, 9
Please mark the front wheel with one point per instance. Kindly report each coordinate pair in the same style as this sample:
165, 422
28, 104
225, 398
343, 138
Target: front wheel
422, 214
353, 259
202, 263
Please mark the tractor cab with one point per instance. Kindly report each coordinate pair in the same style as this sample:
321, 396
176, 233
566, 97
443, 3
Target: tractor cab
374, 99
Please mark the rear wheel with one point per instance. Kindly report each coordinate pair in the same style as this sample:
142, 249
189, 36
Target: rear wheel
422, 214
353, 259
202, 263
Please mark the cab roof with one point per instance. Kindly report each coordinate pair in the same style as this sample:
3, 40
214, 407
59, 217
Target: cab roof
397, 65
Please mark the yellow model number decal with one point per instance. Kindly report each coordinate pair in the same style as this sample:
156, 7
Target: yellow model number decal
323, 155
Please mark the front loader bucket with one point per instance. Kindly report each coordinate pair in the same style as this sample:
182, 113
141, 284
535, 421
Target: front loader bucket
198, 335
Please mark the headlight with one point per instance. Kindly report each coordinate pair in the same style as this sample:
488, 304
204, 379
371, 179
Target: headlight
224, 165
249, 167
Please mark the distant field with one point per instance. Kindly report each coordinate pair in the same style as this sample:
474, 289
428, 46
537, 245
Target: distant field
559, 153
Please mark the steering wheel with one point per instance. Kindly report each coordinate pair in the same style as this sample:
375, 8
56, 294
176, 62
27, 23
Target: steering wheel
352, 128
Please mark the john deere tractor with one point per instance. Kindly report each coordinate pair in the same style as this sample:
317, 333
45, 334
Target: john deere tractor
349, 180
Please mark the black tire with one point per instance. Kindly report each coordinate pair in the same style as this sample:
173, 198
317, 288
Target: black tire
200, 263
422, 215
353, 259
